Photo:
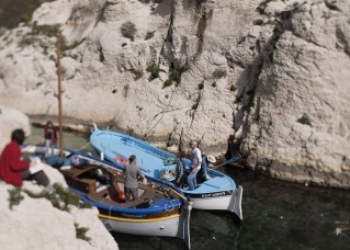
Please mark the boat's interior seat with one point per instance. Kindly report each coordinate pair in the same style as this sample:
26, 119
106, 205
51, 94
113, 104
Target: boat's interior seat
89, 185
147, 195
83, 184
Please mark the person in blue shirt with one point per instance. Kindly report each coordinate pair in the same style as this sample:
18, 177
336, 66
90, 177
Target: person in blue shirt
180, 176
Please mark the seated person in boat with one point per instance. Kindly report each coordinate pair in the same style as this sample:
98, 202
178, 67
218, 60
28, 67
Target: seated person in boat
131, 172
196, 162
13, 169
203, 172
180, 177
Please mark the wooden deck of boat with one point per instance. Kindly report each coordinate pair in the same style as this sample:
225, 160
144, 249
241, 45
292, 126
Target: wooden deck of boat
89, 186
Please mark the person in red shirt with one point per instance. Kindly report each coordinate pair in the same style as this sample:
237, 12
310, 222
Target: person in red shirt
13, 169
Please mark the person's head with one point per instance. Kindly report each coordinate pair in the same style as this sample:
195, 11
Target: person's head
132, 159
193, 144
49, 124
18, 136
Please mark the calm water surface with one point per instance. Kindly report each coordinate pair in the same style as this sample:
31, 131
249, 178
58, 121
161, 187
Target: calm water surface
277, 215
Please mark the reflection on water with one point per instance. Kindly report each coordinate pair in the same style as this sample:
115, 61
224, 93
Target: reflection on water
277, 215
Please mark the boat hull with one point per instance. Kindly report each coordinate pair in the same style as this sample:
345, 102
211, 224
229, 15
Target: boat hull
232, 202
167, 227
170, 226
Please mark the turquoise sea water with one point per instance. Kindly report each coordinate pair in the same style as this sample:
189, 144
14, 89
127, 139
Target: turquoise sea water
277, 215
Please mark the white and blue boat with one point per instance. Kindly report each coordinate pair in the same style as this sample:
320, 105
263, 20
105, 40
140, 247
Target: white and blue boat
220, 192
160, 210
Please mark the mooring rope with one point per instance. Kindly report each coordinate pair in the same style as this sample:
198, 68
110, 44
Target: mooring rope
237, 237
83, 147
109, 218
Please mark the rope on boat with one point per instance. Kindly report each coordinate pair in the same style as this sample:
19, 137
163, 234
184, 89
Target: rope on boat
114, 152
168, 205
173, 203
237, 237
83, 147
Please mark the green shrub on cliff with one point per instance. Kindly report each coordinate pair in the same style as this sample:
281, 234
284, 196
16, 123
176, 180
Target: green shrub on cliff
15, 197
128, 30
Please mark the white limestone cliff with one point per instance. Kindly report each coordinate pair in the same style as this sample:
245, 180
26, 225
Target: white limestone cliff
268, 77
11, 119
297, 126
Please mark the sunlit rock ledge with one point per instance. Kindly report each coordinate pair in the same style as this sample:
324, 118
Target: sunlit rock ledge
34, 223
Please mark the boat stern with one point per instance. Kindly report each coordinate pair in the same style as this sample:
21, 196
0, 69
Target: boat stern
184, 230
235, 205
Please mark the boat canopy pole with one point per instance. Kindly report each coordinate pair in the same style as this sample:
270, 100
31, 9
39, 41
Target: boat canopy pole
60, 134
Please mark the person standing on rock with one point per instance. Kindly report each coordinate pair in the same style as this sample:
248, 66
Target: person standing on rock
13, 170
196, 162
50, 136
131, 172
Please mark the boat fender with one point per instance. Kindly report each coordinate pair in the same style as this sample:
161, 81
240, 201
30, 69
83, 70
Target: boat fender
121, 160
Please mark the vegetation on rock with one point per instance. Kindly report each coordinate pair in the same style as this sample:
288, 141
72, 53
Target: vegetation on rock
149, 35
219, 73
21, 11
15, 197
60, 198
128, 30
154, 70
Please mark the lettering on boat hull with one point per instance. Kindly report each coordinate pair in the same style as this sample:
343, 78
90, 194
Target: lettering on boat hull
208, 195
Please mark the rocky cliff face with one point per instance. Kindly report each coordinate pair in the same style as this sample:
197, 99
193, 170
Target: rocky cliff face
296, 126
269, 77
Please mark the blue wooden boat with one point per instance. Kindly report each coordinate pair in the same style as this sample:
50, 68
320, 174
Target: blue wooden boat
160, 210
218, 193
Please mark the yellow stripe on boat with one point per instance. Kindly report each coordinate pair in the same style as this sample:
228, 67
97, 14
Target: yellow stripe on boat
136, 220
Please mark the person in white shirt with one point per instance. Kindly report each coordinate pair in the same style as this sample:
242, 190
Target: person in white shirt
196, 162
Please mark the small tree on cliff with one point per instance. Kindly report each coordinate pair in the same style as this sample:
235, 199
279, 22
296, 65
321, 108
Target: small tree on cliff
128, 30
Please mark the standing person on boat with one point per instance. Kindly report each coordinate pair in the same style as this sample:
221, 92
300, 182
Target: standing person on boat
50, 136
206, 161
196, 162
13, 169
131, 172
180, 176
